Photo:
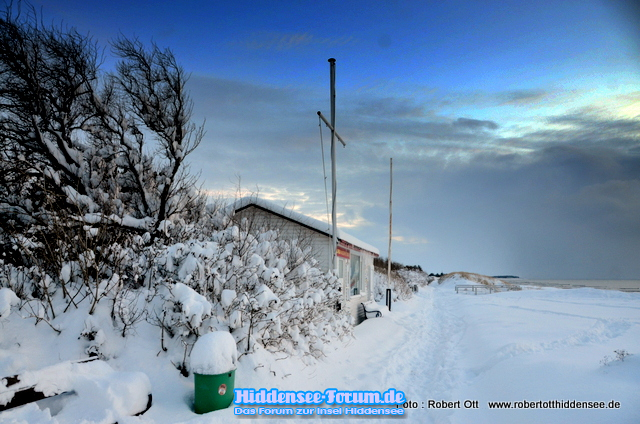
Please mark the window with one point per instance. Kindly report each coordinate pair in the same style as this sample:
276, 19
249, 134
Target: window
355, 280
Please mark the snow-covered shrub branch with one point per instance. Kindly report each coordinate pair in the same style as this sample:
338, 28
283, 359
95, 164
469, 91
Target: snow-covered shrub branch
85, 147
253, 292
402, 281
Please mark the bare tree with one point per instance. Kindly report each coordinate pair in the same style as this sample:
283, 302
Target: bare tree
153, 86
81, 149
87, 137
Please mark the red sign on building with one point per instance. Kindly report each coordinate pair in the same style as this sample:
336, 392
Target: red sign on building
343, 253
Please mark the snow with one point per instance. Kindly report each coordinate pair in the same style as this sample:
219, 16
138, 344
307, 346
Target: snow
195, 307
111, 395
533, 344
25, 242
78, 199
7, 299
265, 296
65, 273
375, 307
130, 221
127, 220
189, 265
214, 353
227, 297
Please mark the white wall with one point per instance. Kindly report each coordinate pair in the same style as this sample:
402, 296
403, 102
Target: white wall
320, 244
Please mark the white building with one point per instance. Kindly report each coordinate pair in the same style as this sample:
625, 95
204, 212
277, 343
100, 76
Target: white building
354, 257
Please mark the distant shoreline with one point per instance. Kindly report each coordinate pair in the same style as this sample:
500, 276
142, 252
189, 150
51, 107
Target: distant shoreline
622, 285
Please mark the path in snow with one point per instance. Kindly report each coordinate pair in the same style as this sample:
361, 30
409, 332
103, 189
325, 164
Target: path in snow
412, 349
425, 360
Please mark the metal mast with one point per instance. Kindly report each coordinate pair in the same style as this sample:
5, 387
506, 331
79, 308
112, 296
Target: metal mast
334, 185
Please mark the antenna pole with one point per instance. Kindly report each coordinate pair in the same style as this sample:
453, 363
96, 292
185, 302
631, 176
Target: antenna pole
334, 232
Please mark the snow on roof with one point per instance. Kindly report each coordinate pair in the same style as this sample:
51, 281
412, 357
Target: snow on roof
315, 224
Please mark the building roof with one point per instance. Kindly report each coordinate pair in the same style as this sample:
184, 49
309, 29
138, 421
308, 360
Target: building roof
304, 220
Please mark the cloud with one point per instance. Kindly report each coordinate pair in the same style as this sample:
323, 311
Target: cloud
410, 240
562, 201
278, 194
556, 199
474, 124
563, 213
420, 139
522, 97
406, 124
389, 108
587, 128
253, 119
616, 202
282, 41
214, 96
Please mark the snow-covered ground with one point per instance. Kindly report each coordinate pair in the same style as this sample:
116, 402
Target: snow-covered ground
531, 345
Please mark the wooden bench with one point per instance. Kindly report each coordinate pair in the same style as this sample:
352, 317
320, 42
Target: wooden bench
364, 312
367, 311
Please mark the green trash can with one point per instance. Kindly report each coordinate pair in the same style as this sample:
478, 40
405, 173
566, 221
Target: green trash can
213, 392
213, 362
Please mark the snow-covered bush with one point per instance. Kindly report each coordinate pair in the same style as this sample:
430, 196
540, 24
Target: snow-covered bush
402, 282
415, 277
186, 309
7, 299
620, 355
262, 289
94, 337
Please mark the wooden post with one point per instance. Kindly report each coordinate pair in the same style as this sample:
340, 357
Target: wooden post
390, 220
389, 299
390, 231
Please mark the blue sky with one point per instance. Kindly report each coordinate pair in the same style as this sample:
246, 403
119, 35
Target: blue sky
514, 126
